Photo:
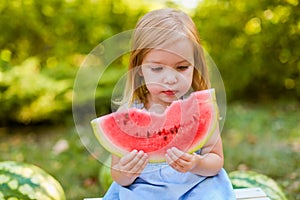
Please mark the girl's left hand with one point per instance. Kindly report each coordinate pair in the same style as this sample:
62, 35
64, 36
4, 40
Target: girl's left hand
181, 161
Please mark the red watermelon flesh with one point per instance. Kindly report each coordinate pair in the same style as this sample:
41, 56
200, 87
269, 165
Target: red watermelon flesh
186, 124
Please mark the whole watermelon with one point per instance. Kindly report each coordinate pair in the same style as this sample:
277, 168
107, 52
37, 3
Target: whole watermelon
250, 179
105, 178
25, 181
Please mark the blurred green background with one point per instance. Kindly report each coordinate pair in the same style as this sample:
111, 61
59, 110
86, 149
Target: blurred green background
255, 44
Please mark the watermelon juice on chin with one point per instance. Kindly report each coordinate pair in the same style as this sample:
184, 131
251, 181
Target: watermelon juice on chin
186, 124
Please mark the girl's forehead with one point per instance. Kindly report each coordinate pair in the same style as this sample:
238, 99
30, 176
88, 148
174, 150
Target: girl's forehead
180, 50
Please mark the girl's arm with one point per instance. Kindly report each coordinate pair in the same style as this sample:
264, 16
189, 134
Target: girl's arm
208, 163
126, 169
211, 159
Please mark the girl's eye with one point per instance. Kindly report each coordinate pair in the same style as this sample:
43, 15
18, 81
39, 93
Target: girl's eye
182, 68
156, 69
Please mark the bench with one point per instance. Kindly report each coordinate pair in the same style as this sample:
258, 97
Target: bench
251, 194
245, 193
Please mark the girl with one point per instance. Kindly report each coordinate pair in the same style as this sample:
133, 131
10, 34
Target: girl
167, 63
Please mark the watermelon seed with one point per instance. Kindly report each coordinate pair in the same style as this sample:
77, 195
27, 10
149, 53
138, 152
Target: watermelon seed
126, 116
172, 131
165, 138
195, 118
159, 133
148, 134
176, 128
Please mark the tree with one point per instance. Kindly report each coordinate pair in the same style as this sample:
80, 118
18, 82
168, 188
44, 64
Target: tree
256, 45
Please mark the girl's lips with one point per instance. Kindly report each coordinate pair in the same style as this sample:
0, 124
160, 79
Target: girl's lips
169, 92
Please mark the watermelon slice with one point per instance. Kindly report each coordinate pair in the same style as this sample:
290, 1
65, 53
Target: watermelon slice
186, 124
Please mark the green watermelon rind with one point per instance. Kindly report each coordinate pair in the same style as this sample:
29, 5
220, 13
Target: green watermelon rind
213, 126
250, 179
26, 181
106, 143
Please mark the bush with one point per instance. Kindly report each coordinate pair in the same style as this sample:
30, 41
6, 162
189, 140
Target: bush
43, 43
29, 95
254, 46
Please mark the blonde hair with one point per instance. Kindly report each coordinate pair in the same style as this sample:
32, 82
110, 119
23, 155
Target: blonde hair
155, 30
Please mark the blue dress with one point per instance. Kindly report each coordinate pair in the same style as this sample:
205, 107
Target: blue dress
159, 181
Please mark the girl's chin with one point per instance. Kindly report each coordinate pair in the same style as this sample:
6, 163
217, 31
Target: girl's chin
169, 99
171, 96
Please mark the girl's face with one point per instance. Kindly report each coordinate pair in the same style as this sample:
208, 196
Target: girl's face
168, 72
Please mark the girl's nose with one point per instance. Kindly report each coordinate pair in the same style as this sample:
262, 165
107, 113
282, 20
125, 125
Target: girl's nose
171, 77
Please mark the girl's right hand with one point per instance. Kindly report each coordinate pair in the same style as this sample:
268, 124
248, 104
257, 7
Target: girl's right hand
133, 163
126, 169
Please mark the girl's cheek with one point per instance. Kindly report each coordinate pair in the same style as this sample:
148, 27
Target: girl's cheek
153, 85
153, 89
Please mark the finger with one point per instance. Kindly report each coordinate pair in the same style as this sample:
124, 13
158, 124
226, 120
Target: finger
172, 160
137, 167
140, 165
139, 157
173, 157
169, 160
176, 156
174, 164
128, 158
175, 160
182, 155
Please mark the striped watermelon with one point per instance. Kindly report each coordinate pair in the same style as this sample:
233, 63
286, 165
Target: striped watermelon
250, 179
105, 178
26, 181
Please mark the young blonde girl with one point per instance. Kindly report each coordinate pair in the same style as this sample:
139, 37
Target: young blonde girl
167, 63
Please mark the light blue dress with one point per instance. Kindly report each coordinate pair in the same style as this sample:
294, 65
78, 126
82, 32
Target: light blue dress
159, 181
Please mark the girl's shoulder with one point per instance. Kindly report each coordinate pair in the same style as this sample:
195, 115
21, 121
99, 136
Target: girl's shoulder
135, 104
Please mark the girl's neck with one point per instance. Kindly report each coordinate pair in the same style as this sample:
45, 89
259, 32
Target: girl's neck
157, 108
154, 106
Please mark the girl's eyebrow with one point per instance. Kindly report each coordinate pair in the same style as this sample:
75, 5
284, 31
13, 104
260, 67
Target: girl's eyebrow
161, 63
153, 61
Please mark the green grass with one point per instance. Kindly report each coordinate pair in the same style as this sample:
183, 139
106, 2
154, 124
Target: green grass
74, 168
264, 138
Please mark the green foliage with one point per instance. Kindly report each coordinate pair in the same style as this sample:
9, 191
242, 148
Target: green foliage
56, 28
262, 138
71, 165
265, 138
255, 45
29, 95
42, 44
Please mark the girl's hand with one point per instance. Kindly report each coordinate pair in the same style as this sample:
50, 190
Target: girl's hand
181, 161
133, 163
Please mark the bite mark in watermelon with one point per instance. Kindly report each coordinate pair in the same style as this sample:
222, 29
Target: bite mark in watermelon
186, 124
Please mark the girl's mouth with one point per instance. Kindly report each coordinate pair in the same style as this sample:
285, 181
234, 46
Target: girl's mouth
169, 92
